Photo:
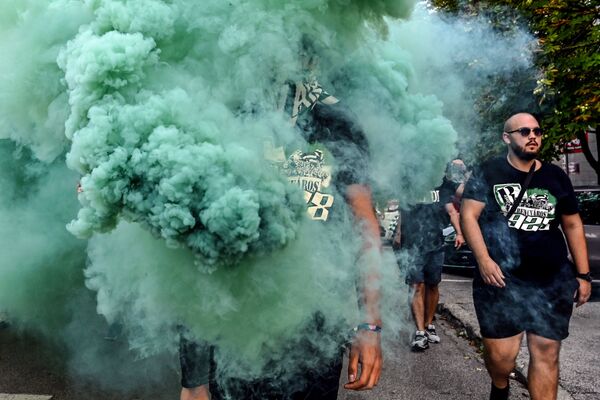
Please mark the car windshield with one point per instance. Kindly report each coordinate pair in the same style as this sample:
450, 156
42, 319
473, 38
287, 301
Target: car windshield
589, 207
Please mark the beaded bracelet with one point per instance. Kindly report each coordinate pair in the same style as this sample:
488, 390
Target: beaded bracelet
367, 327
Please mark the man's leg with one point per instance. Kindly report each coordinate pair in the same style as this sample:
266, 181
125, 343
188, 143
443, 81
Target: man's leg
543, 367
433, 277
432, 297
500, 357
418, 305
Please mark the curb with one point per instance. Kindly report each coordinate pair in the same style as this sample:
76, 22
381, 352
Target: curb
462, 319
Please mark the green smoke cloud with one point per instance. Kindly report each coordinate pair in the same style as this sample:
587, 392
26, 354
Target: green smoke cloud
33, 102
41, 263
163, 109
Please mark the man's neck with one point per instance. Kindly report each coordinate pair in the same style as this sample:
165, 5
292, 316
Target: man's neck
519, 163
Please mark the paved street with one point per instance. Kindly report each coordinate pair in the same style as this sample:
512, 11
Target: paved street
449, 370
579, 355
452, 369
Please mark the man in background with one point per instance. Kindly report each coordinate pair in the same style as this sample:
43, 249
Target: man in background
421, 236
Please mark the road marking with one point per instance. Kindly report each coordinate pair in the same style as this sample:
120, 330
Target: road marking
8, 396
457, 280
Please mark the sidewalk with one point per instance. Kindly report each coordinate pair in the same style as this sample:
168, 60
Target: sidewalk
579, 365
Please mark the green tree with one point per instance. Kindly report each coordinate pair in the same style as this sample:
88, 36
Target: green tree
568, 88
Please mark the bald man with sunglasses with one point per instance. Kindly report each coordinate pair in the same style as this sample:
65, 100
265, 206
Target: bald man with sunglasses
511, 211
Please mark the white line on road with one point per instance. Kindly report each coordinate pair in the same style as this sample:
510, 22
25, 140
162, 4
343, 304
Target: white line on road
8, 396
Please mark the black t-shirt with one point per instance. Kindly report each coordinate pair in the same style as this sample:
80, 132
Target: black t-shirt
336, 152
421, 225
531, 241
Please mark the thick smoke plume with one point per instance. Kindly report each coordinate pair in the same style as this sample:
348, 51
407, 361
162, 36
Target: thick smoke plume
163, 111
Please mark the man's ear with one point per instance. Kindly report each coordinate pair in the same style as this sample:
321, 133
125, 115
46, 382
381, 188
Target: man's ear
505, 138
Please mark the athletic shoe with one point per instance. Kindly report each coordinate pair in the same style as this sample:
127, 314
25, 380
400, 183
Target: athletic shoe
431, 335
420, 342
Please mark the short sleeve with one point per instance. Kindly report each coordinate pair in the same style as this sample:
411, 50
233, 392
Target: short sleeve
345, 139
476, 186
447, 191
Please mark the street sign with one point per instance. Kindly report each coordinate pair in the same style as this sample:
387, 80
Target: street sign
574, 146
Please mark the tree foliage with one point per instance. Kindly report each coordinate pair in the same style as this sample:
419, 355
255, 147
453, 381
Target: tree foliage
568, 87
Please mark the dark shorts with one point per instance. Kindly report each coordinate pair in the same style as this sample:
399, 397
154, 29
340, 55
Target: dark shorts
321, 384
540, 307
426, 268
317, 379
194, 358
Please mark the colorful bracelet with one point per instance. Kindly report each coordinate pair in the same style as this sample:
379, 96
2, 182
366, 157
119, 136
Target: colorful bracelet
367, 327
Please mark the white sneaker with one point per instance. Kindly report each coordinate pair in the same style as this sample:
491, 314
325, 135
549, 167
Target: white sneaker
431, 335
419, 342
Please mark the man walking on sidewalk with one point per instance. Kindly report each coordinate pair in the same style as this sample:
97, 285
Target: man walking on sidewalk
511, 211
421, 235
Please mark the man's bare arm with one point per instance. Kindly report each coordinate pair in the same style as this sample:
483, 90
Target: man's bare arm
573, 229
455, 222
470, 210
366, 347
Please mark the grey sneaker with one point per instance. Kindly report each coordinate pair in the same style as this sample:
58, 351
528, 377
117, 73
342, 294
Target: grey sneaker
420, 341
431, 335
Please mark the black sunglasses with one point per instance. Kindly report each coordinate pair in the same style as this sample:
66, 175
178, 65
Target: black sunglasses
525, 131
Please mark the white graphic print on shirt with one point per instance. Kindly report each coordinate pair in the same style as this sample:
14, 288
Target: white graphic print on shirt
434, 197
535, 211
308, 171
308, 94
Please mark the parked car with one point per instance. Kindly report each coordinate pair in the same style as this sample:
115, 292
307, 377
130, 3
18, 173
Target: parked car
589, 209
456, 258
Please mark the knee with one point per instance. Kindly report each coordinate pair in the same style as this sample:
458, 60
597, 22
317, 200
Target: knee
501, 361
546, 354
418, 288
195, 393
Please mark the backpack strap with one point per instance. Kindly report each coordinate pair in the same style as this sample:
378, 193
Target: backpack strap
522, 192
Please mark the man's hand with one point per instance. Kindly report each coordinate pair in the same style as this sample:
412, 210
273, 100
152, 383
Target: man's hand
459, 241
491, 273
366, 351
582, 295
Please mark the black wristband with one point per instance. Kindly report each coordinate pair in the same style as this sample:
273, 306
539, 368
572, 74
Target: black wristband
586, 277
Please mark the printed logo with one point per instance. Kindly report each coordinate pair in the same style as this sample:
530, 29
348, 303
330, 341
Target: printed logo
535, 211
308, 171
308, 94
432, 197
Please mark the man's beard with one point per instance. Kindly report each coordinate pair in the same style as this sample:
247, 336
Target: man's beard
522, 154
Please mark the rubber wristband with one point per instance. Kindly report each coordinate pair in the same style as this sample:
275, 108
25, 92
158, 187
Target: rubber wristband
586, 277
367, 327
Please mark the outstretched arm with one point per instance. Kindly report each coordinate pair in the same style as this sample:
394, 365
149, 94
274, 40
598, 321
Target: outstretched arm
366, 347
